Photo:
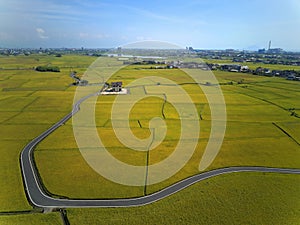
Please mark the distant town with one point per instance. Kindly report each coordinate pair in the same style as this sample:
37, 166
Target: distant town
226, 60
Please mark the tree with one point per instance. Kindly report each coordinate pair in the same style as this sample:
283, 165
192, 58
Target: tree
47, 69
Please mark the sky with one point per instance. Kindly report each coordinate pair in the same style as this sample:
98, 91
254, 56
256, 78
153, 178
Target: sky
202, 24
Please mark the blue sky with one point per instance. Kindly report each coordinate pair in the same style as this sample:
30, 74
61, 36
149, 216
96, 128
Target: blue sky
204, 24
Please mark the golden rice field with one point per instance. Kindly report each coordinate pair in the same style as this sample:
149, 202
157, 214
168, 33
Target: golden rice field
31, 102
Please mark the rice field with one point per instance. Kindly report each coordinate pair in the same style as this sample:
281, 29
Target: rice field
248, 198
261, 131
29, 219
251, 137
29, 104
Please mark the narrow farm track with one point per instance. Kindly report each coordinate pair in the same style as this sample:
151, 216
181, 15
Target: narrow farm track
37, 196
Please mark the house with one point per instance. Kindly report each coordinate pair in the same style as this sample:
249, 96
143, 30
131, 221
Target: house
276, 73
231, 67
262, 71
244, 69
116, 86
291, 77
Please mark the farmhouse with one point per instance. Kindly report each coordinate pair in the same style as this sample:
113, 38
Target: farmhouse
116, 86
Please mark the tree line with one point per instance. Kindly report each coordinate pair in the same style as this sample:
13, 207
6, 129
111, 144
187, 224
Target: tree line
47, 69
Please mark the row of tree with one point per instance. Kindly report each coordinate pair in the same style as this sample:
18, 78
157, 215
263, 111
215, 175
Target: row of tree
47, 69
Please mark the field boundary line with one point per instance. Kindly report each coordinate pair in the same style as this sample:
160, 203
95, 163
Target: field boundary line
285, 132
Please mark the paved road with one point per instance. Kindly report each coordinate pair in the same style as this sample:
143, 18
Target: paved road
41, 199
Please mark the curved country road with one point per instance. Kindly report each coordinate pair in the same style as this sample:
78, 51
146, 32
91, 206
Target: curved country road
37, 196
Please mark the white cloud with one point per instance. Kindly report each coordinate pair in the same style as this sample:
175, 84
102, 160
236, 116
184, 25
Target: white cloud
101, 36
83, 35
41, 33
